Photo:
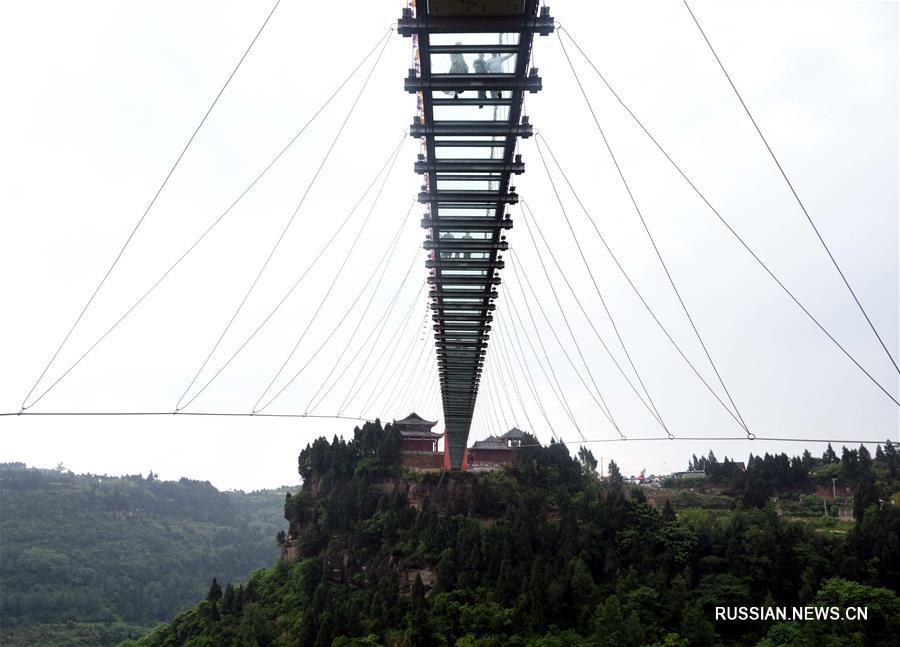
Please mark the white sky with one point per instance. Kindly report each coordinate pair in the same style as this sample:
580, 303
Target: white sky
99, 97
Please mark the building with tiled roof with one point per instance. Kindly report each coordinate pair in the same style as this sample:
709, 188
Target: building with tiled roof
417, 434
494, 451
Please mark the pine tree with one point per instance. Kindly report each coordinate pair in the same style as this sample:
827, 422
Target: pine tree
228, 600
865, 459
890, 457
615, 476
807, 459
215, 591
586, 457
866, 495
668, 513
417, 594
326, 631
632, 630
507, 586
418, 629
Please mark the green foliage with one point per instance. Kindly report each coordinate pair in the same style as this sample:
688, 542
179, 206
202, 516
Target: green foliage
871, 480
587, 460
94, 560
879, 628
615, 475
542, 554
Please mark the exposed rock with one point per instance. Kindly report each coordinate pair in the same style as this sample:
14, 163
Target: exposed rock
408, 578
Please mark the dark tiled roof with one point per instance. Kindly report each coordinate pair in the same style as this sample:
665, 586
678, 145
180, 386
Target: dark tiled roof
514, 434
417, 433
415, 419
491, 442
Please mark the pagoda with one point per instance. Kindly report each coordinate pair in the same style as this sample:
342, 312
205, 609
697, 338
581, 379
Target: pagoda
417, 434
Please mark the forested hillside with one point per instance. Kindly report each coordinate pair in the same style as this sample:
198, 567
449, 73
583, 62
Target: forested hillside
543, 554
92, 560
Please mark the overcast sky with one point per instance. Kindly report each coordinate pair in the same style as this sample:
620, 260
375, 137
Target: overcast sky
99, 98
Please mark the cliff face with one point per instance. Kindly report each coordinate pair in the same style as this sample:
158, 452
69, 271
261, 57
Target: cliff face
441, 493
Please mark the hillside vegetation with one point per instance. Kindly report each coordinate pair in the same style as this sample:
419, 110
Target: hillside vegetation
543, 554
91, 560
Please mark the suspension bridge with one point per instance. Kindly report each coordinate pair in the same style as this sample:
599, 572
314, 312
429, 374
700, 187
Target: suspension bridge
473, 69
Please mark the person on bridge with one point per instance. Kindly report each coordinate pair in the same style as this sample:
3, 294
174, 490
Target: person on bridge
479, 66
458, 65
447, 236
495, 66
467, 236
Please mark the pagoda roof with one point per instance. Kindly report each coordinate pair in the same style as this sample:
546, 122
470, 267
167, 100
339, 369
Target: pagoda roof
514, 434
418, 433
415, 419
491, 442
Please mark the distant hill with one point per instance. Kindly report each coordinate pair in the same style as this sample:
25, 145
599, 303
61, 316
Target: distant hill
544, 554
92, 560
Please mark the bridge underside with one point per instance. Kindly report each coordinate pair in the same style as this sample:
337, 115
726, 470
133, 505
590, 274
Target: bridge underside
469, 120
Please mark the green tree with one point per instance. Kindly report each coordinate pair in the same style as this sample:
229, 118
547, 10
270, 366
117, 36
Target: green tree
228, 602
587, 460
668, 513
867, 494
215, 591
615, 476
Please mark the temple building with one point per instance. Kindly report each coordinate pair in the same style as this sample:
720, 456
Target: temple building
419, 444
419, 447
494, 452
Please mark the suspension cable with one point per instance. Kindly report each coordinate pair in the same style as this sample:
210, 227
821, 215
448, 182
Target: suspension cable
379, 389
489, 399
328, 292
351, 393
565, 319
524, 371
137, 226
378, 326
246, 414
365, 311
517, 323
290, 291
633, 286
596, 288
414, 394
652, 411
214, 224
512, 377
419, 399
398, 393
385, 259
730, 229
520, 273
502, 378
435, 399
495, 389
287, 225
653, 240
226, 414
793, 191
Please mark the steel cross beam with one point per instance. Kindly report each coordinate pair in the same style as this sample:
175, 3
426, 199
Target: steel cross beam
469, 121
